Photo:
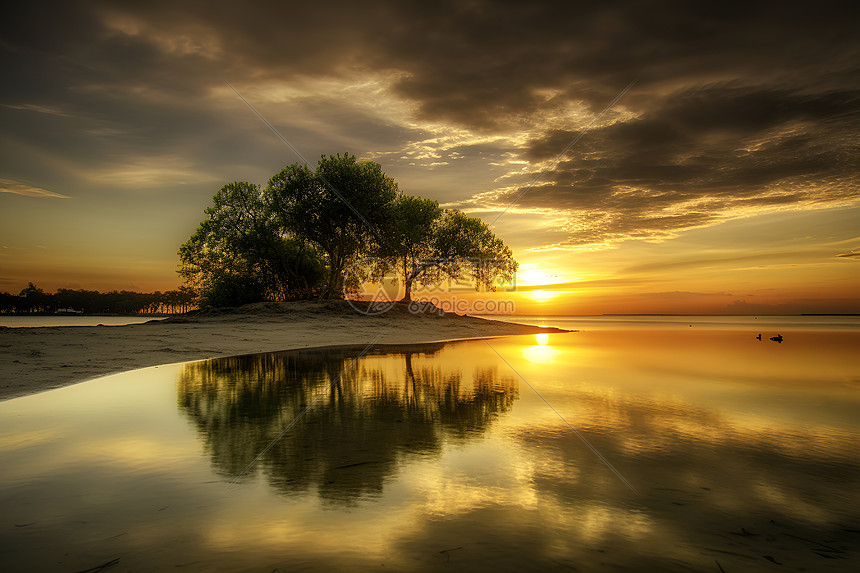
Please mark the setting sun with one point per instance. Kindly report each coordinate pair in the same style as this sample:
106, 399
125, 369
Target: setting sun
427, 287
543, 295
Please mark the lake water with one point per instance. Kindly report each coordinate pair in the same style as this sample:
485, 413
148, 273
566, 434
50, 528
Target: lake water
671, 322
609, 449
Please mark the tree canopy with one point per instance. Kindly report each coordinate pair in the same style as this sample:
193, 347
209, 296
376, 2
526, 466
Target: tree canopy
428, 245
239, 254
295, 237
341, 207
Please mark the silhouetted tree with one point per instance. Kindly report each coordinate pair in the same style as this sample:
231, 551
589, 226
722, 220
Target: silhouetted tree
8, 302
281, 242
239, 254
466, 245
427, 245
35, 299
410, 232
340, 207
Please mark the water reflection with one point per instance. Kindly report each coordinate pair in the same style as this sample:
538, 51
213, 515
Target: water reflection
541, 352
351, 420
418, 458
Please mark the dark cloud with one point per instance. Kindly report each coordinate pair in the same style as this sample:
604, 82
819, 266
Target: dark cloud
738, 106
700, 157
478, 63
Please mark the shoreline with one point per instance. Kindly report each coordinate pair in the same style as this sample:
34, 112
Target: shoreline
38, 359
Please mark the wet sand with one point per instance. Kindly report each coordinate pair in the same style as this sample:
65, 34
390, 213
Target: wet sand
38, 359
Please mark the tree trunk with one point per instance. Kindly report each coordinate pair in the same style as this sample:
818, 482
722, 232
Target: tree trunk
408, 296
408, 277
334, 289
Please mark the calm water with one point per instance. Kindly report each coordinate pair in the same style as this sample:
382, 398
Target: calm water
711, 322
742, 454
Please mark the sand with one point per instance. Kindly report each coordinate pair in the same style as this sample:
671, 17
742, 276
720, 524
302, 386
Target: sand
38, 359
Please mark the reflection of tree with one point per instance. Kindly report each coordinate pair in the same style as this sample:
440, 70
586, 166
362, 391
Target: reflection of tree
362, 416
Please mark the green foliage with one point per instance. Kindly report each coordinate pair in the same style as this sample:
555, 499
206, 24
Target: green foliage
233, 290
427, 246
340, 207
410, 226
294, 238
409, 231
471, 247
239, 253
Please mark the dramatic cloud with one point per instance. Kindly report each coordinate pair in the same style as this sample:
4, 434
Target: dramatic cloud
737, 109
699, 158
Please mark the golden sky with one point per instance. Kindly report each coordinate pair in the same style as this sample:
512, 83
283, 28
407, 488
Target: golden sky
724, 180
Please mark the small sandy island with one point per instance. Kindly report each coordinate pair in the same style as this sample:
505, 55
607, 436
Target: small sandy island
38, 359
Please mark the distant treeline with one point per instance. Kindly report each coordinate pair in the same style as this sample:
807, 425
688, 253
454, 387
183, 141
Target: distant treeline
34, 300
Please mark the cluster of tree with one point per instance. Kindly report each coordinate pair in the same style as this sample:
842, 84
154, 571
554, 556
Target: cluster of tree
35, 300
321, 233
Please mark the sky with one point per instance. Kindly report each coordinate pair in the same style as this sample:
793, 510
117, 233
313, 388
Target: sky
638, 157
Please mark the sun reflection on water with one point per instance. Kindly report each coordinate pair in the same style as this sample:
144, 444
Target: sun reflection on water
423, 456
541, 352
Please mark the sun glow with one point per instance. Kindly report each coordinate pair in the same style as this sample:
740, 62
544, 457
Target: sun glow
541, 352
543, 295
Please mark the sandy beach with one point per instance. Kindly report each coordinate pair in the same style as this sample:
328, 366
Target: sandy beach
39, 359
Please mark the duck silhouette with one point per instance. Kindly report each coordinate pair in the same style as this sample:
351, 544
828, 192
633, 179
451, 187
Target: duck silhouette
777, 338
